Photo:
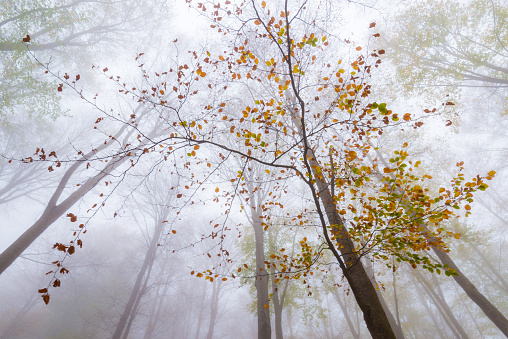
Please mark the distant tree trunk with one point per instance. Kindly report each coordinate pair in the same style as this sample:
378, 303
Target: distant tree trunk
442, 303
156, 311
278, 303
396, 301
53, 211
486, 306
343, 307
142, 277
501, 282
200, 315
214, 307
431, 313
8, 332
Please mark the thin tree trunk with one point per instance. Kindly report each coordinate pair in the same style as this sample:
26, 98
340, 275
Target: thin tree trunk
262, 278
278, 304
442, 302
431, 313
201, 314
502, 282
214, 308
8, 332
486, 306
53, 210
156, 310
147, 263
343, 307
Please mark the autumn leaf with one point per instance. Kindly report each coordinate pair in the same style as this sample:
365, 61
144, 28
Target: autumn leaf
72, 216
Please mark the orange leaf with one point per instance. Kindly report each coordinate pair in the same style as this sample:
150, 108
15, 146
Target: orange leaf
217, 190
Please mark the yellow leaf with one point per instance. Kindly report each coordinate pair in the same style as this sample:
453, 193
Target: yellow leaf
217, 190
267, 171
266, 306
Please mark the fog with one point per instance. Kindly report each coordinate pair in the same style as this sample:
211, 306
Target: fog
256, 169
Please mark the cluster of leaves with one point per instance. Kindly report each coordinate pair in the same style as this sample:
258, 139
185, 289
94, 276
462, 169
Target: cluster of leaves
391, 210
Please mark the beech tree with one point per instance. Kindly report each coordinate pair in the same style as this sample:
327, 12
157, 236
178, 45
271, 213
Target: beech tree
276, 99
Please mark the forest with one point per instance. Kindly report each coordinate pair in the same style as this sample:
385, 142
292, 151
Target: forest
253, 169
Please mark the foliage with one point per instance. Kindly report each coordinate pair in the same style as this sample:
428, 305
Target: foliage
275, 97
450, 43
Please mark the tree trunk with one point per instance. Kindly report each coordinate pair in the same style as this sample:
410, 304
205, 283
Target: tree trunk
444, 306
431, 313
365, 294
278, 303
53, 210
485, 305
262, 278
214, 308
343, 307
393, 323
349, 261
147, 263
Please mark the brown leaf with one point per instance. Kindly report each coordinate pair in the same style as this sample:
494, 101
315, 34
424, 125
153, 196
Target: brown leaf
27, 38
45, 297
